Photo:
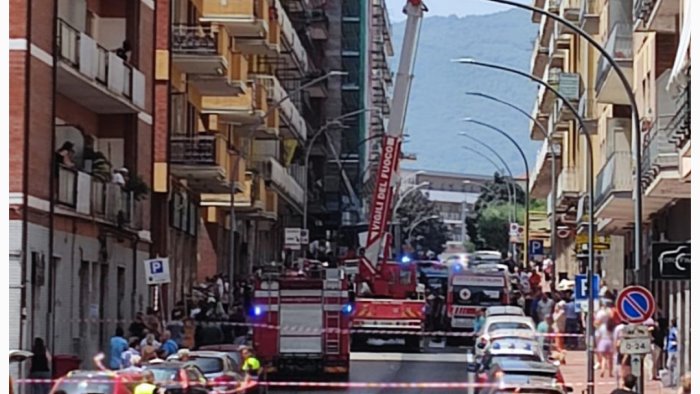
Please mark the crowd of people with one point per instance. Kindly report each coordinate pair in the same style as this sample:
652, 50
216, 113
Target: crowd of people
554, 310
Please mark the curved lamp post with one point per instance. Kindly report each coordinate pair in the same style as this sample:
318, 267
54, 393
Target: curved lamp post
419, 221
511, 199
307, 152
527, 181
553, 183
637, 144
590, 185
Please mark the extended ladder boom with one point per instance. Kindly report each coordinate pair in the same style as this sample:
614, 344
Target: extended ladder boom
391, 144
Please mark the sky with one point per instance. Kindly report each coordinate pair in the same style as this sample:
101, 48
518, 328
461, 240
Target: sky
447, 8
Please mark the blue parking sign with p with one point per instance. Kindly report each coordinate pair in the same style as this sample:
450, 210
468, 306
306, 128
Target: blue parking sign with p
156, 267
581, 287
157, 271
536, 247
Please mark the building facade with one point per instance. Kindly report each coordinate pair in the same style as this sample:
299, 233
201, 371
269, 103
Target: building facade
649, 40
81, 130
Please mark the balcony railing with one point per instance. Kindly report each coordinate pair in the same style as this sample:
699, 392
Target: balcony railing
679, 125
620, 45
642, 9
659, 151
276, 173
90, 195
82, 53
292, 39
590, 16
615, 176
196, 150
194, 40
277, 94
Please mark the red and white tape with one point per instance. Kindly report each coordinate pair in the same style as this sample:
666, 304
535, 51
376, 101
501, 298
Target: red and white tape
315, 330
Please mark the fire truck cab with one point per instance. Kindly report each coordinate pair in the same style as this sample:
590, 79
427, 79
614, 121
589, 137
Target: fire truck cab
301, 323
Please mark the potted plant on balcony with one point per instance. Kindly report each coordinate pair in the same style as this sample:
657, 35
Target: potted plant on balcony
137, 186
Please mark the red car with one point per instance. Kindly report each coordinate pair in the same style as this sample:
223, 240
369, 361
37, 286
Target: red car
97, 382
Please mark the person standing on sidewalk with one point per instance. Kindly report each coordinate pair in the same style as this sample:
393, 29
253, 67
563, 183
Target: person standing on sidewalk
117, 346
672, 352
628, 384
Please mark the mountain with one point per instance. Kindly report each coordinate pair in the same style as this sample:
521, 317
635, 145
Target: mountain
438, 104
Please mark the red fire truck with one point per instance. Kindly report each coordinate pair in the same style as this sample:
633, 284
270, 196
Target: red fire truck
301, 323
473, 289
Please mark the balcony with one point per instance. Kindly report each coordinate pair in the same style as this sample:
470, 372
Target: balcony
589, 17
545, 97
571, 11
282, 181
540, 55
547, 24
246, 109
293, 49
95, 77
246, 19
570, 86
656, 15
84, 194
204, 160
295, 125
204, 53
608, 86
537, 17
541, 177
660, 164
567, 189
613, 192
244, 200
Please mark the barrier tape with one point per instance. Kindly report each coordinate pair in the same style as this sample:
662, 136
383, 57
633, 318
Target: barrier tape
358, 385
315, 330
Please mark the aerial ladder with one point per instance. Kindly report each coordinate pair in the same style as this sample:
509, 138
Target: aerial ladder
390, 297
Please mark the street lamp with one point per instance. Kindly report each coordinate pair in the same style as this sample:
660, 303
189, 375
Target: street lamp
590, 183
553, 183
419, 221
511, 199
251, 136
394, 213
307, 152
636, 136
511, 184
527, 181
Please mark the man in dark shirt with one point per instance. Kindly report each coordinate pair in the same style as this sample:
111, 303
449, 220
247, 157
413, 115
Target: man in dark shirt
628, 384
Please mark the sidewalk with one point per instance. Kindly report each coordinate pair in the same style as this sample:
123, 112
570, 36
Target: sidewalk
575, 375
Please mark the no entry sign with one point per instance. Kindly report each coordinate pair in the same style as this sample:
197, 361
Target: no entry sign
635, 304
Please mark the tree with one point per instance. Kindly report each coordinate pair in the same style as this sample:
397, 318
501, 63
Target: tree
428, 235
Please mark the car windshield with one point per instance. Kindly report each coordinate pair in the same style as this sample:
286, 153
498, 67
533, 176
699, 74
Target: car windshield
208, 364
508, 325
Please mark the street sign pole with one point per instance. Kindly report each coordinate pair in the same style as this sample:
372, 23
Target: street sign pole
590, 336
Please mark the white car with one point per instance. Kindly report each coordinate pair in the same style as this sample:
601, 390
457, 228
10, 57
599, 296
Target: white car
521, 325
504, 310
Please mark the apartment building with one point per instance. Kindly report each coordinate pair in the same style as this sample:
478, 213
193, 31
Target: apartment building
230, 77
454, 195
82, 137
649, 40
359, 43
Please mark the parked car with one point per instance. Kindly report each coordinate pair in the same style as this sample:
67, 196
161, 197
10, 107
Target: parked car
504, 310
218, 368
512, 372
97, 382
510, 349
171, 374
515, 326
231, 350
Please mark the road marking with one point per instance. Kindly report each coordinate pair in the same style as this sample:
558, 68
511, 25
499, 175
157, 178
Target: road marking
431, 357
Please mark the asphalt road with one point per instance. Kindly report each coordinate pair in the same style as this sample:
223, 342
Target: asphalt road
432, 365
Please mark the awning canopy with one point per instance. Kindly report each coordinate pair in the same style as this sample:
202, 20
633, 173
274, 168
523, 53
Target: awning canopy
678, 79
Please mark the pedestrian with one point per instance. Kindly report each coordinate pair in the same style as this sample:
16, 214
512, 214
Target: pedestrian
40, 367
559, 321
544, 330
572, 325
147, 386
150, 340
657, 338
183, 355
480, 319
545, 306
672, 351
117, 346
137, 326
176, 325
628, 384
132, 351
152, 321
251, 365
685, 384
169, 346
621, 360
533, 309
604, 347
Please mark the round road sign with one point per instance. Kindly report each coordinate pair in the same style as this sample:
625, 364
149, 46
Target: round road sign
635, 304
